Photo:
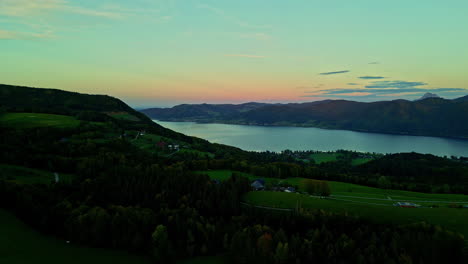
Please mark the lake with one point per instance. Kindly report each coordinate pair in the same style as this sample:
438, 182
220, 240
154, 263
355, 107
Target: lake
260, 138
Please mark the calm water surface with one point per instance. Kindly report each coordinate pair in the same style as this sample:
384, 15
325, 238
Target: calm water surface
261, 138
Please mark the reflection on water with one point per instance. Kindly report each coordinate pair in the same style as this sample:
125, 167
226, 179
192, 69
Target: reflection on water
261, 138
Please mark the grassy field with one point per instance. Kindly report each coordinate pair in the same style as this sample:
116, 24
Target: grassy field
148, 142
369, 202
333, 156
32, 120
360, 161
24, 175
359, 193
21, 244
453, 219
198, 153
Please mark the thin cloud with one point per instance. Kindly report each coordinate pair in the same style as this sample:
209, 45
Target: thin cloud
371, 77
6, 34
26, 8
32, 17
356, 94
374, 62
334, 72
353, 83
244, 56
394, 84
383, 92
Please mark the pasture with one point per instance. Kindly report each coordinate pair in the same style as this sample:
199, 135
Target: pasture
359, 193
19, 243
450, 218
23, 175
369, 202
34, 120
321, 157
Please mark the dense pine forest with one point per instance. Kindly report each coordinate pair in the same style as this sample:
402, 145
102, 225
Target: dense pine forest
124, 193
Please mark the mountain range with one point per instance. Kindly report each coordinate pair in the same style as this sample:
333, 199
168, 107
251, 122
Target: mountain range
431, 116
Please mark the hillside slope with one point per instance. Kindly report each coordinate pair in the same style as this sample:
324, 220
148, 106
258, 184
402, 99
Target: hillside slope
428, 117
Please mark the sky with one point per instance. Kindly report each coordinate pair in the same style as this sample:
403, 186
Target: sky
167, 52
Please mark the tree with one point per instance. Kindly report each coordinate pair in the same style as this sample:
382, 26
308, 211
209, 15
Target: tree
316, 187
161, 244
383, 182
264, 244
310, 186
324, 189
281, 254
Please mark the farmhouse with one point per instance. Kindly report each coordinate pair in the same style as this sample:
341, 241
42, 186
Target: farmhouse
173, 147
258, 184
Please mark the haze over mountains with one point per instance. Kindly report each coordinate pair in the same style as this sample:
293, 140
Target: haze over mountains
429, 116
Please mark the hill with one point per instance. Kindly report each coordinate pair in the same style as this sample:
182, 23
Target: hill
428, 95
427, 117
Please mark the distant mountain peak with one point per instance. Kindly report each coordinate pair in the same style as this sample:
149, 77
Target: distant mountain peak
428, 95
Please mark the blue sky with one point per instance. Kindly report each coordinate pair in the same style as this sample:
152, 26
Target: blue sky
164, 52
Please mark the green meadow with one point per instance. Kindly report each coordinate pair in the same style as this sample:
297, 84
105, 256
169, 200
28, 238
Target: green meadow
148, 142
22, 175
451, 218
321, 157
32, 120
369, 202
20, 244
357, 192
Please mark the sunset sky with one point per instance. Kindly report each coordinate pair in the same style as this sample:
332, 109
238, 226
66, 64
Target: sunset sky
166, 52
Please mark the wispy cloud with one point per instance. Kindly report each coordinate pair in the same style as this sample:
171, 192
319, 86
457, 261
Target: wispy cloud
25, 8
334, 72
371, 77
374, 62
244, 56
220, 12
394, 84
353, 83
6, 34
395, 92
356, 94
32, 19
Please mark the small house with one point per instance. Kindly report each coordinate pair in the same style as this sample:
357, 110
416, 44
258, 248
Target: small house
258, 185
216, 181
